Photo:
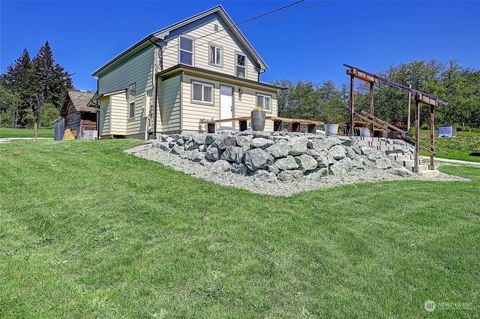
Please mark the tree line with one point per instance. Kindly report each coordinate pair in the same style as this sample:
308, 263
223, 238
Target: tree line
32, 90
459, 86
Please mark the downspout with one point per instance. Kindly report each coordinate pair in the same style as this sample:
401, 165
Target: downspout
156, 88
98, 114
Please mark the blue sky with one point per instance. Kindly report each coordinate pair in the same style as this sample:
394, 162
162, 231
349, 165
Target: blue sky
309, 45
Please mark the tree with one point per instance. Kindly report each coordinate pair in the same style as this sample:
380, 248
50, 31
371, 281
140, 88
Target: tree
19, 80
52, 81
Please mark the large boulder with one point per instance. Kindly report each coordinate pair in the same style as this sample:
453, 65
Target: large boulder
278, 150
220, 166
257, 158
317, 174
239, 169
212, 154
261, 142
226, 142
196, 156
164, 146
297, 145
199, 139
342, 167
282, 164
233, 154
177, 150
210, 138
338, 152
265, 176
383, 163
306, 162
244, 141
289, 176
401, 171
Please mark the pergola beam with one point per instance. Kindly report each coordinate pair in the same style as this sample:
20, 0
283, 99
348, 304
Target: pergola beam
372, 78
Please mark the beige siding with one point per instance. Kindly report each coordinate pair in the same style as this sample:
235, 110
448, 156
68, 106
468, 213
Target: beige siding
224, 39
119, 109
169, 98
193, 112
105, 116
139, 70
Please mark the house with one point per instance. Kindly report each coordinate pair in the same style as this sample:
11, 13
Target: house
198, 69
78, 116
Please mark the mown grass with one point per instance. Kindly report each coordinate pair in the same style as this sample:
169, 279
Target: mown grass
87, 231
458, 148
24, 132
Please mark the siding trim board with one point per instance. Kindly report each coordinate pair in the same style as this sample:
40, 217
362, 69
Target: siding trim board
218, 77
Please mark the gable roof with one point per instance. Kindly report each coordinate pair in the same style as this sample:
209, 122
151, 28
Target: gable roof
80, 101
160, 34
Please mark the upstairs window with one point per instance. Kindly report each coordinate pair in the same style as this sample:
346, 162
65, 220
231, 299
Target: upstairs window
240, 65
186, 50
202, 92
264, 102
216, 55
132, 91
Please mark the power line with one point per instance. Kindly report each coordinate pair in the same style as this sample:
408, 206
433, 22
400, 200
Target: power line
196, 44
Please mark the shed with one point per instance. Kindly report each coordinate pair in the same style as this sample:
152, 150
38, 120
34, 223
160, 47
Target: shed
80, 117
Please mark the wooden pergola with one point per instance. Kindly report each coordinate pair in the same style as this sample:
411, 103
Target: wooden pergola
420, 99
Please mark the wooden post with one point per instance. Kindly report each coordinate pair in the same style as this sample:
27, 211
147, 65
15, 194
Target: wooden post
417, 134
352, 103
35, 131
372, 107
432, 136
277, 125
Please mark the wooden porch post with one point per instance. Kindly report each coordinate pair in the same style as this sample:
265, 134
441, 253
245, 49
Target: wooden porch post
352, 103
372, 107
432, 136
417, 134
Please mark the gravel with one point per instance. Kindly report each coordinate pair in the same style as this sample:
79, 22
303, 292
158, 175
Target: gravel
272, 186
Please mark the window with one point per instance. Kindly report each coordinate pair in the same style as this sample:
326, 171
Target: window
202, 92
131, 110
264, 102
240, 63
216, 55
132, 91
186, 50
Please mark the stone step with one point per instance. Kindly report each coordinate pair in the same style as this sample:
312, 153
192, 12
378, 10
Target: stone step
421, 167
407, 162
399, 157
429, 173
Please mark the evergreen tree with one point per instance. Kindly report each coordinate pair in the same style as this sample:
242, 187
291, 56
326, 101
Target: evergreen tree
51, 79
19, 79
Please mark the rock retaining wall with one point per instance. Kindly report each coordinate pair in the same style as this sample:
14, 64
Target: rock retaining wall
281, 156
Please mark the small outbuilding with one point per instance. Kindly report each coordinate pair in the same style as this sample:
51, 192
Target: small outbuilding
78, 116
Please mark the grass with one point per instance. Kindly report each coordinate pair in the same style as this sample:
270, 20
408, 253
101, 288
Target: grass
24, 132
458, 148
87, 231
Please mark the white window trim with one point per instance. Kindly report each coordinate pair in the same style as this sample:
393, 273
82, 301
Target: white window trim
180, 49
264, 96
210, 45
241, 66
203, 93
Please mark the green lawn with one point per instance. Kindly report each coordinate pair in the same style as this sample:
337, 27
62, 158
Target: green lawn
87, 231
24, 132
458, 148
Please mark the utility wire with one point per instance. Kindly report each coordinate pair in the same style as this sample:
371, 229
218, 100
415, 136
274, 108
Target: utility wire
197, 44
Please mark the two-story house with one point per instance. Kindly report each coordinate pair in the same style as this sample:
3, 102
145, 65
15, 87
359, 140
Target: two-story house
201, 68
